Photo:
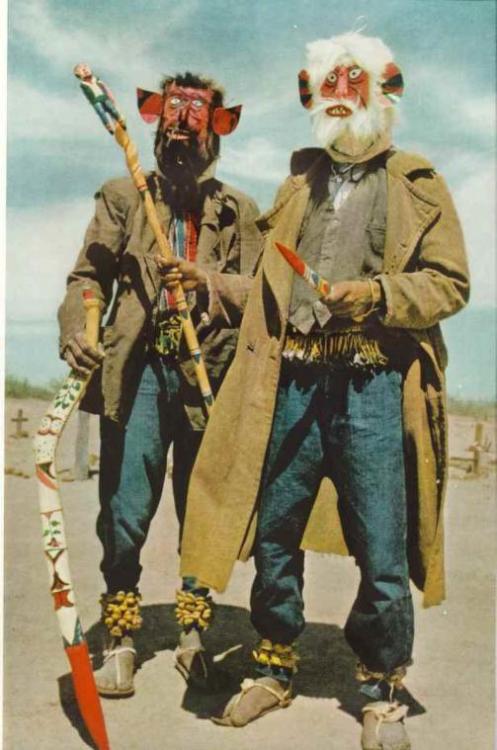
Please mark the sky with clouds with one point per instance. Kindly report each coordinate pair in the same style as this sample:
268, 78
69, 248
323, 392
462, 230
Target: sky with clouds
58, 152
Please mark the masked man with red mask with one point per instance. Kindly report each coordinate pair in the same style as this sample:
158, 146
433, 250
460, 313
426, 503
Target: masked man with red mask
349, 388
145, 389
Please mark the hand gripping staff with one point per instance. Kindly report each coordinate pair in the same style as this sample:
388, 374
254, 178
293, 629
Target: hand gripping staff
136, 172
54, 538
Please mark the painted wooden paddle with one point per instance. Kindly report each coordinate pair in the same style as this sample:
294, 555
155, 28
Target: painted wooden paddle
54, 537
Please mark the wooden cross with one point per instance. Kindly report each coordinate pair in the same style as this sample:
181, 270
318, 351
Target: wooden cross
477, 447
20, 433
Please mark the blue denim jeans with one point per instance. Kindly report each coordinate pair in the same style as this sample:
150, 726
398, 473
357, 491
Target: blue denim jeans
133, 467
348, 426
104, 108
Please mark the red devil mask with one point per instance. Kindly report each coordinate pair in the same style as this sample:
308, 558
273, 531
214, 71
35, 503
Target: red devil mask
189, 105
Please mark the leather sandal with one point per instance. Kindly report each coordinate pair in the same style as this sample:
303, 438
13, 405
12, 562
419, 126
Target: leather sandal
192, 665
383, 726
256, 698
115, 678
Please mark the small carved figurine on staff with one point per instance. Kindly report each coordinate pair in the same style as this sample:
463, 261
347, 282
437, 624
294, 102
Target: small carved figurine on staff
100, 97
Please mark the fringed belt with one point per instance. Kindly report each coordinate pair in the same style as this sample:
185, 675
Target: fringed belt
354, 347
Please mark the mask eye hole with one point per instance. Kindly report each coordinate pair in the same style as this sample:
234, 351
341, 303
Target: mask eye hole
175, 101
354, 73
331, 78
197, 103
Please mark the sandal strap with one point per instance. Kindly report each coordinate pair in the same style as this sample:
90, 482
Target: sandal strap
200, 650
284, 698
196, 649
387, 712
116, 651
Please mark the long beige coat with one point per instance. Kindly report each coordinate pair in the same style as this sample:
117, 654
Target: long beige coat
425, 279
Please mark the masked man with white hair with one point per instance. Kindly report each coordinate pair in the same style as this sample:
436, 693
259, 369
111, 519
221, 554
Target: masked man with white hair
349, 388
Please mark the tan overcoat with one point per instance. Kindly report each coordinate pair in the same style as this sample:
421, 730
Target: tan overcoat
425, 279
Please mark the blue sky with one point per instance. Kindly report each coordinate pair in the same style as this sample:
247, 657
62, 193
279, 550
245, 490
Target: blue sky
58, 153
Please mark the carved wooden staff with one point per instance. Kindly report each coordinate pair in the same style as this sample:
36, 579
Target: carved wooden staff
54, 538
131, 153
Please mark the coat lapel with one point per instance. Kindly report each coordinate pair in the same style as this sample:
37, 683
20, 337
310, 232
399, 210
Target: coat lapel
209, 235
409, 213
277, 272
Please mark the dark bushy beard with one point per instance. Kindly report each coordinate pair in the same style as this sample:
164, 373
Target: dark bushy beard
181, 163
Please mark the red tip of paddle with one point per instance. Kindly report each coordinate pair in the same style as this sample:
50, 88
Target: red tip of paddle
86, 693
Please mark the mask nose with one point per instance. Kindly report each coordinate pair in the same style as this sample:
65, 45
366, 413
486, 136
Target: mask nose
183, 113
342, 87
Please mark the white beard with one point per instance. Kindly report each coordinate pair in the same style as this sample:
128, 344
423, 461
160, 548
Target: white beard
358, 130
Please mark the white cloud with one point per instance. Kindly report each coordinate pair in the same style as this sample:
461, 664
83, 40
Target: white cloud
64, 44
41, 249
257, 159
476, 114
475, 201
455, 99
36, 115
272, 105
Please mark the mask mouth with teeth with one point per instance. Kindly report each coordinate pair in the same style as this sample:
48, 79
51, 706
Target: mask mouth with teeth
336, 123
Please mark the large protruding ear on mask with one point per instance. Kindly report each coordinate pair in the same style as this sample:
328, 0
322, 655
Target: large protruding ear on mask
305, 89
149, 104
226, 119
392, 83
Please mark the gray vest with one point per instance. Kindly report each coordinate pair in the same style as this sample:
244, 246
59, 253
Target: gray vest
341, 244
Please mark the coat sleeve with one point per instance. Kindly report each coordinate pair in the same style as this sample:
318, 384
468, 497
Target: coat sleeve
436, 284
97, 263
227, 292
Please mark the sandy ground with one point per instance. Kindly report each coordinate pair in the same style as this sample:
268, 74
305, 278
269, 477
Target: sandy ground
451, 683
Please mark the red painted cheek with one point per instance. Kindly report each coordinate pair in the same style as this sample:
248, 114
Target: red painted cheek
361, 91
198, 121
327, 90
